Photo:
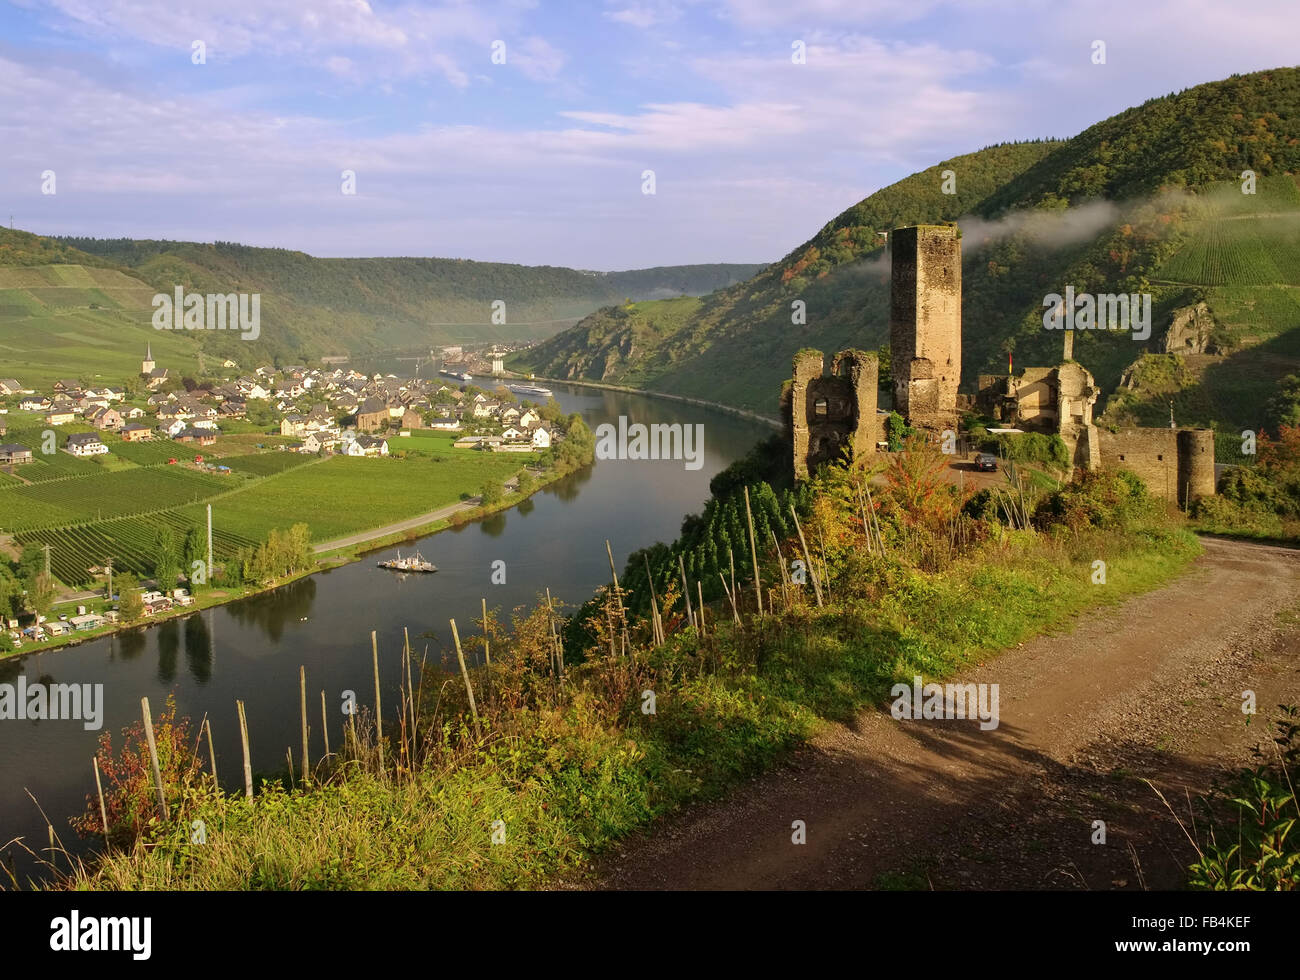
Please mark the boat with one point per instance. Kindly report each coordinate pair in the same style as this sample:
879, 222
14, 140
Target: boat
414, 563
535, 390
458, 375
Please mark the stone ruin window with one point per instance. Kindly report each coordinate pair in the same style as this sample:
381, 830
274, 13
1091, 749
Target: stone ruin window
819, 407
1160, 457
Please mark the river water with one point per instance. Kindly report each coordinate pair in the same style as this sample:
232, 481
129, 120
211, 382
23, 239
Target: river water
251, 649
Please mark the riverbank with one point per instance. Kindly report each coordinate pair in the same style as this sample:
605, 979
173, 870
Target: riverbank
330, 554
650, 393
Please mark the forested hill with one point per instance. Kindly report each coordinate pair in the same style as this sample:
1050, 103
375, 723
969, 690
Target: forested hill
313, 305
1106, 211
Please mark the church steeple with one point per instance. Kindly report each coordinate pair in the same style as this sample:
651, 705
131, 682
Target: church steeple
147, 365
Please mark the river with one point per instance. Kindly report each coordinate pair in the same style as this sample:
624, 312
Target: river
251, 649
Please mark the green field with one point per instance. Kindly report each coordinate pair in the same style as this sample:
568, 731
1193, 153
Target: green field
265, 464
110, 494
343, 495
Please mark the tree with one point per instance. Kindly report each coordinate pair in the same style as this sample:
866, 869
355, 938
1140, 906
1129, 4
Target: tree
196, 550
526, 482
131, 605
491, 493
166, 558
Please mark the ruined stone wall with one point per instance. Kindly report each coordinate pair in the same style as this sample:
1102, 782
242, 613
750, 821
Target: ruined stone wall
829, 413
925, 321
1173, 463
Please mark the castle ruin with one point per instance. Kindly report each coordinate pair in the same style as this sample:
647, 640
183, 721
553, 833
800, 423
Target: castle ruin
828, 414
925, 323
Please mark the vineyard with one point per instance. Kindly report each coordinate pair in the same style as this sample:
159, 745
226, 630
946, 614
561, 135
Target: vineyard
150, 453
265, 464
108, 495
128, 541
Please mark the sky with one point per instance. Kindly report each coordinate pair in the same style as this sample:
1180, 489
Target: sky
519, 131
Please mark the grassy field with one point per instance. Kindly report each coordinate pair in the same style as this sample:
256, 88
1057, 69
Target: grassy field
343, 495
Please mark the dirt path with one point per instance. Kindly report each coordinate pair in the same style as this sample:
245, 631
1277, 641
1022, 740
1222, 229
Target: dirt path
1150, 688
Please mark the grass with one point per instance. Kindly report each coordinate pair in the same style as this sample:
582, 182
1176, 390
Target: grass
343, 495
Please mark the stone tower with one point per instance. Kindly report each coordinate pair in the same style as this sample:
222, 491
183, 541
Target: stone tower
829, 414
147, 365
925, 323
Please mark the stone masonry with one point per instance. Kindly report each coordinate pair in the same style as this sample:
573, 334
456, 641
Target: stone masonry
925, 323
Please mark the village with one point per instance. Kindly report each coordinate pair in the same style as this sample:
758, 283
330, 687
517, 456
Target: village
323, 410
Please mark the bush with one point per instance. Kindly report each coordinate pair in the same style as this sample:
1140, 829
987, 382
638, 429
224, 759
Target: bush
1114, 499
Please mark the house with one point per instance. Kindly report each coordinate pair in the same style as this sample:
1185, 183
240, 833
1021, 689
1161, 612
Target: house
445, 424
293, 425
134, 412
10, 386
485, 409
134, 432
37, 403
60, 417
313, 443
529, 418
542, 436
85, 444
13, 454
372, 445
509, 415
203, 437
411, 419
372, 415
173, 427
64, 385
88, 621
105, 419
511, 433
233, 408
156, 377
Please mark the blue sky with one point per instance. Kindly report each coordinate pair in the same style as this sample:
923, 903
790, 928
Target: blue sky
539, 160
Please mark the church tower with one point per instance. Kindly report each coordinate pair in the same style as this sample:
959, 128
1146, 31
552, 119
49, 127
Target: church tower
147, 365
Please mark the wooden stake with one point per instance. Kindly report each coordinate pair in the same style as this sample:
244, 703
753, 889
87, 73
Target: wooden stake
753, 554
618, 595
655, 627
700, 586
288, 754
379, 711
731, 558
487, 653
103, 810
324, 723
410, 688
212, 755
302, 703
248, 762
686, 590
153, 757
806, 556
464, 672
730, 598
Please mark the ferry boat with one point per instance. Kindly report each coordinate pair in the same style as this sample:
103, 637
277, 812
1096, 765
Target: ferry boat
415, 563
537, 391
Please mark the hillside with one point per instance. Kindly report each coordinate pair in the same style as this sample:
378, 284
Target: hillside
313, 306
1104, 211
82, 306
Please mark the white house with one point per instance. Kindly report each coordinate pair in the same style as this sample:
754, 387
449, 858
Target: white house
542, 437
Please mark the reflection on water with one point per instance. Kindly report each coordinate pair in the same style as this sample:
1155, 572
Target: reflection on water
251, 650
271, 611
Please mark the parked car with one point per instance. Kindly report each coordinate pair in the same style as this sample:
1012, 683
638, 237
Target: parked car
986, 462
